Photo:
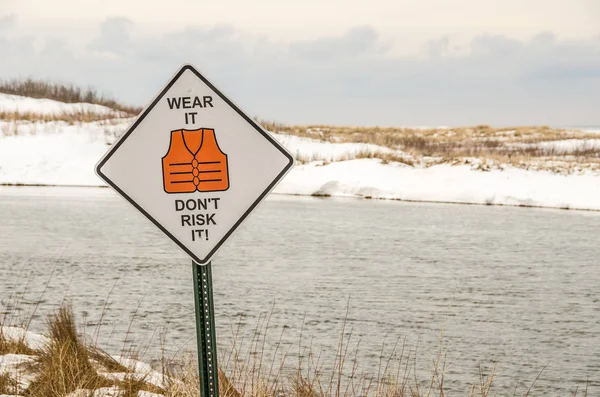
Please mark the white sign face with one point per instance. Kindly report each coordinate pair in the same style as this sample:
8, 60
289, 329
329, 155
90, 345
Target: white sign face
194, 164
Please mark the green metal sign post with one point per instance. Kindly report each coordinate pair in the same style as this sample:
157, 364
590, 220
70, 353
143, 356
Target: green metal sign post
205, 330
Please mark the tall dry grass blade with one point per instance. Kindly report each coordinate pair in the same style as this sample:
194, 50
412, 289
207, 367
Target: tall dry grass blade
536, 379
128, 332
39, 300
103, 313
300, 353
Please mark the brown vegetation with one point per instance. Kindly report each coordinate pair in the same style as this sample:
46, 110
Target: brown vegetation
67, 364
10, 346
64, 365
518, 146
247, 372
67, 93
7, 384
494, 147
384, 156
71, 118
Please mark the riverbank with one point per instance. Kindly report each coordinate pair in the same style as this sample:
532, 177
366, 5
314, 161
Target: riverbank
60, 154
530, 167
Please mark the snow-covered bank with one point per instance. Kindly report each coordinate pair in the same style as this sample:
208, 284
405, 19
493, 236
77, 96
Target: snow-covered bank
55, 153
20, 104
59, 153
445, 183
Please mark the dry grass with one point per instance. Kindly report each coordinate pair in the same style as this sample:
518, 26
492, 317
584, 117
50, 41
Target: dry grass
253, 370
252, 373
67, 364
9, 346
71, 118
15, 121
67, 93
7, 385
250, 369
385, 156
64, 365
517, 146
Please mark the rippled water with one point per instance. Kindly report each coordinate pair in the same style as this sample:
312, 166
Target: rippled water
519, 287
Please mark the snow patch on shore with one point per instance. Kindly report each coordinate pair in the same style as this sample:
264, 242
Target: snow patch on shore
444, 183
15, 366
17, 334
55, 153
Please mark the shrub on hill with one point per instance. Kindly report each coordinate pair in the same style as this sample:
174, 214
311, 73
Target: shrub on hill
68, 93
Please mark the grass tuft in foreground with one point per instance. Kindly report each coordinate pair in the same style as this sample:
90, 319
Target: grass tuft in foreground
64, 365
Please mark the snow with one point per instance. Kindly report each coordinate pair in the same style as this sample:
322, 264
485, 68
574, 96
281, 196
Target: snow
21, 104
591, 130
141, 371
153, 377
113, 391
133, 365
444, 183
14, 360
143, 393
59, 153
13, 365
108, 392
54, 153
314, 150
32, 340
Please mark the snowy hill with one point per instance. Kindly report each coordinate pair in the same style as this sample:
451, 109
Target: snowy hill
23, 105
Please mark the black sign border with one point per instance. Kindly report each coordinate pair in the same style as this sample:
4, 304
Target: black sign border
116, 146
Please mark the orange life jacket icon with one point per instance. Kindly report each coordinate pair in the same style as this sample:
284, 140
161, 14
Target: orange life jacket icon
194, 162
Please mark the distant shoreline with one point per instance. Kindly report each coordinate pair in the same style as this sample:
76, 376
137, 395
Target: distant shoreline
49, 142
327, 196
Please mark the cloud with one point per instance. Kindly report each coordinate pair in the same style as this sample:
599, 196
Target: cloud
7, 22
114, 37
347, 79
354, 43
15, 51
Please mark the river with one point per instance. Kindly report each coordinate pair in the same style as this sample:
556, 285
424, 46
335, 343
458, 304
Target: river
518, 287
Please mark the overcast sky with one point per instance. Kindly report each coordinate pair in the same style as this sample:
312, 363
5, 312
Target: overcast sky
376, 62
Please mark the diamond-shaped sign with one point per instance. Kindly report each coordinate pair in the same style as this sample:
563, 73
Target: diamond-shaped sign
194, 164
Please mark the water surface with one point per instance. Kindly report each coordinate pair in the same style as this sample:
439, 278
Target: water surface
515, 286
